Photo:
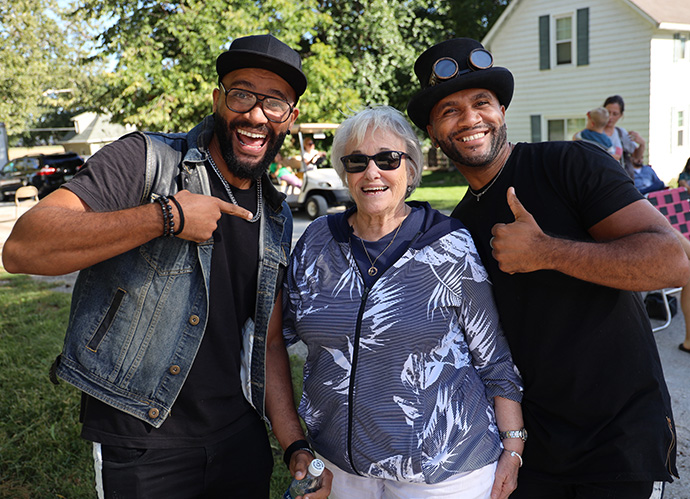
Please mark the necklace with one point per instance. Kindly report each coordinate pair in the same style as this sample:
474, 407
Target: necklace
479, 194
485, 189
373, 270
259, 204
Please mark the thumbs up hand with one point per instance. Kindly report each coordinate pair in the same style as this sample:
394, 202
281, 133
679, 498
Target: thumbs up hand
520, 246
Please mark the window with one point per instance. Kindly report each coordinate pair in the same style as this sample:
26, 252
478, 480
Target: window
681, 129
564, 129
564, 40
680, 47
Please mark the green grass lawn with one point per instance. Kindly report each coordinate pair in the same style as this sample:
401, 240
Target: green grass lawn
441, 188
41, 453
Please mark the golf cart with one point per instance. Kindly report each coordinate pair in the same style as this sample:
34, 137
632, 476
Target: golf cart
321, 187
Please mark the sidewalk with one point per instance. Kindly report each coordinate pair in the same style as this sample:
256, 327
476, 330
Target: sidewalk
7, 219
676, 364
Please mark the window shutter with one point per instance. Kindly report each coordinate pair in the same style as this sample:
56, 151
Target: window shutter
583, 37
535, 126
544, 43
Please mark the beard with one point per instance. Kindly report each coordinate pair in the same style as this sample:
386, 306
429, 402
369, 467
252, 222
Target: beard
499, 138
244, 169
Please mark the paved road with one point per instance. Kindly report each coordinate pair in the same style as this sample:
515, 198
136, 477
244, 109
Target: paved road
676, 363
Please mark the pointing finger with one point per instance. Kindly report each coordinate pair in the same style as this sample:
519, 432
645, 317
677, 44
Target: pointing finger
236, 211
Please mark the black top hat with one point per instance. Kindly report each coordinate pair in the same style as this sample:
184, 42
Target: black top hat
467, 75
265, 52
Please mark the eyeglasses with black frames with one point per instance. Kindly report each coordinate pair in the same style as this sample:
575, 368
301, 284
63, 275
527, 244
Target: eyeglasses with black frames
385, 160
242, 101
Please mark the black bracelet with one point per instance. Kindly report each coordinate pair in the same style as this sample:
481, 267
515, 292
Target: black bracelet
168, 222
294, 447
179, 210
163, 203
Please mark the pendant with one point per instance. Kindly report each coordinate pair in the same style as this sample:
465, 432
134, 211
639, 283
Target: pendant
373, 271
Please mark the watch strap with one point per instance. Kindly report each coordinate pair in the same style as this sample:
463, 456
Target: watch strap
522, 433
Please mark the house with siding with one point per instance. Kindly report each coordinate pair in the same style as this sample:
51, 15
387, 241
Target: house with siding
93, 131
567, 56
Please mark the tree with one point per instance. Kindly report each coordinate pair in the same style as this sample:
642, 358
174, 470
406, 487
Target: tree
41, 73
161, 54
382, 39
166, 52
473, 19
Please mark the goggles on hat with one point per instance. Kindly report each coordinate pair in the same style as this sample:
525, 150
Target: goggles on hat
385, 160
447, 68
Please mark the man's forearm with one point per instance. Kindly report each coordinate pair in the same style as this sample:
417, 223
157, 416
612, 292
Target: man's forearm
54, 240
637, 262
280, 404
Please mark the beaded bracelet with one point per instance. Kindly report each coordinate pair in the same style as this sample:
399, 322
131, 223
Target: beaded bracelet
294, 447
168, 222
179, 210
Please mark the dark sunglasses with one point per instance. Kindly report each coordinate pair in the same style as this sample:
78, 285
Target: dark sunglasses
385, 160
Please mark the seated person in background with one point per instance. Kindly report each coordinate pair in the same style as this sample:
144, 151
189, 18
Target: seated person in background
287, 175
312, 157
646, 179
594, 131
274, 167
684, 177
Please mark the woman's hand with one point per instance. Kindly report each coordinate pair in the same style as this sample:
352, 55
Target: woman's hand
505, 480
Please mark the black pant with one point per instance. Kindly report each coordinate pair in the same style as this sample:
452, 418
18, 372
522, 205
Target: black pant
239, 466
531, 487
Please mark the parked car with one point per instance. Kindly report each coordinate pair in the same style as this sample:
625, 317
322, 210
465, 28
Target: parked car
45, 171
13, 176
53, 171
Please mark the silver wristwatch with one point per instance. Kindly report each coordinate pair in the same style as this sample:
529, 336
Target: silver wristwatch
514, 434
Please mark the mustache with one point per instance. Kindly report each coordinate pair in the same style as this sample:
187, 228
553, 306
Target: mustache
246, 125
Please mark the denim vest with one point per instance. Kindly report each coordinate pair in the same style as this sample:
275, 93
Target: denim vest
137, 320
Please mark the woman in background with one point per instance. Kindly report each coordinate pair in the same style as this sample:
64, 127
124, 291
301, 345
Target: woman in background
626, 144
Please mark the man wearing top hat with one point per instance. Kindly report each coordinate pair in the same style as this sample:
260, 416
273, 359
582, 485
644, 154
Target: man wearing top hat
567, 240
181, 242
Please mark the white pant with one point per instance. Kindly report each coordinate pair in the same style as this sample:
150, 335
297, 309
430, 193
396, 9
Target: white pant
473, 485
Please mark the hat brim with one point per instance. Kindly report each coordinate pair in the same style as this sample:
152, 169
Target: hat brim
499, 80
241, 59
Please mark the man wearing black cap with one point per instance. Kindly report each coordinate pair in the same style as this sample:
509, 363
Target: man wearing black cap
181, 242
566, 239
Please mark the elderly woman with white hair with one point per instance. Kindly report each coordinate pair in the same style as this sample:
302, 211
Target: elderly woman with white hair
409, 385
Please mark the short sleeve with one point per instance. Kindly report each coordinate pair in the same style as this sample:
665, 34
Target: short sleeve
114, 177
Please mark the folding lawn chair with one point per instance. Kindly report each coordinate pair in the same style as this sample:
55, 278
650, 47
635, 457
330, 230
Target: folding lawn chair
674, 204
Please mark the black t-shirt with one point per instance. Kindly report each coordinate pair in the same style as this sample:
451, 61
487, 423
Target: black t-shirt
211, 405
595, 402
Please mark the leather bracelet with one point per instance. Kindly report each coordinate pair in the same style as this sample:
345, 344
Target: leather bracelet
294, 447
179, 210
514, 454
